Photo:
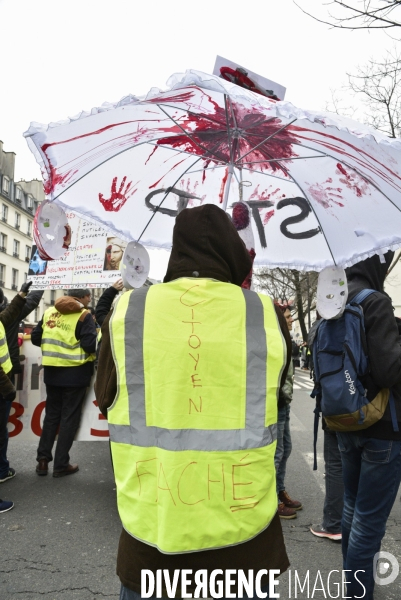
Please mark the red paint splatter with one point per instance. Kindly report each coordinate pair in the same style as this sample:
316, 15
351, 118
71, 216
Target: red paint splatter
169, 171
56, 179
208, 136
179, 97
268, 216
117, 198
325, 195
223, 185
353, 181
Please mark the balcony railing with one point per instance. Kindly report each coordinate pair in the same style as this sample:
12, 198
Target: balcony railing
2, 284
4, 219
14, 286
3, 249
27, 259
17, 226
16, 254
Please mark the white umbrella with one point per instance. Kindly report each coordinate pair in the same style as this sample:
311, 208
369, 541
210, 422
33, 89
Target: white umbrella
322, 190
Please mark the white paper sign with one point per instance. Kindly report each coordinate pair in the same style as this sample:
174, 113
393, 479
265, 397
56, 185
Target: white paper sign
247, 78
92, 260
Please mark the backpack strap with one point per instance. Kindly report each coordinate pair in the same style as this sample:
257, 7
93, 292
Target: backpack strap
393, 412
361, 296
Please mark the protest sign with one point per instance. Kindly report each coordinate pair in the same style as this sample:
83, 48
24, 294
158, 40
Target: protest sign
27, 411
92, 260
238, 74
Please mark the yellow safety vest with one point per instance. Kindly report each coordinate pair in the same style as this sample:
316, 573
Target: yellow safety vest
60, 347
193, 427
5, 360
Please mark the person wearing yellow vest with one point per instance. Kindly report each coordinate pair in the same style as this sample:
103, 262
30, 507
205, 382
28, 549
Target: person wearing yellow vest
7, 389
67, 337
189, 372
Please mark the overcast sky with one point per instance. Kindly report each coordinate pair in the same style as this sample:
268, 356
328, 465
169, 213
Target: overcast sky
59, 57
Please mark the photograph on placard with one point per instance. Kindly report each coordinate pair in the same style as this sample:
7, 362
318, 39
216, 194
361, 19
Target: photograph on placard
113, 253
37, 266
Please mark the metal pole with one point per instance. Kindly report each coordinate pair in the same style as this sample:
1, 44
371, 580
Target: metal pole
228, 185
307, 283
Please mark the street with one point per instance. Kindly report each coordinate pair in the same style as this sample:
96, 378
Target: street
60, 541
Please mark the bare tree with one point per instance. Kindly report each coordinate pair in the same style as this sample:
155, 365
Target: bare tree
361, 14
292, 287
379, 83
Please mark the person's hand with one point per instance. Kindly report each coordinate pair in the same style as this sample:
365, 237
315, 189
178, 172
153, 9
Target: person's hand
10, 397
25, 288
118, 285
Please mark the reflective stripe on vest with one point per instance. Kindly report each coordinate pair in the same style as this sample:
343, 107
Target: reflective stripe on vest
60, 347
5, 360
167, 475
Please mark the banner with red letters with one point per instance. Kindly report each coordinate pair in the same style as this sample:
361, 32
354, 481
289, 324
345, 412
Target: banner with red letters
28, 409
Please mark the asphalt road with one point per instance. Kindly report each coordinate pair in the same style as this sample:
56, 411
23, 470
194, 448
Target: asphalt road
60, 541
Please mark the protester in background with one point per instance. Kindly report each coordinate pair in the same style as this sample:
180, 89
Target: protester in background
7, 390
371, 458
287, 507
295, 354
67, 336
31, 302
330, 527
200, 294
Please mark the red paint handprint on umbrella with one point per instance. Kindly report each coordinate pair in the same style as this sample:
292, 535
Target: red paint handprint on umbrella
117, 198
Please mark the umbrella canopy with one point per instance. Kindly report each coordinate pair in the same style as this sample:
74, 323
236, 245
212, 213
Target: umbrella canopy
321, 190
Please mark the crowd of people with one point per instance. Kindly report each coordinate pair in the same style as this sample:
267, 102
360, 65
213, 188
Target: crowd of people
195, 377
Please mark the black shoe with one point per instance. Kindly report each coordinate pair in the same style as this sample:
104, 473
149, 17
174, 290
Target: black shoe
69, 470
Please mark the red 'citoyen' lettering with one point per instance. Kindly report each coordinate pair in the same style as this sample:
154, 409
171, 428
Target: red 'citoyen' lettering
100, 432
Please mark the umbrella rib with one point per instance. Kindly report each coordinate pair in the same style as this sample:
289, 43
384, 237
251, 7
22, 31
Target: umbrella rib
266, 139
313, 210
217, 160
165, 196
228, 128
256, 162
185, 132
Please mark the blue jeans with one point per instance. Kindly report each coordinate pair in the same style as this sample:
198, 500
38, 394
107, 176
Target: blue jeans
372, 475
127, 594
5, 408
284, 445
334, 499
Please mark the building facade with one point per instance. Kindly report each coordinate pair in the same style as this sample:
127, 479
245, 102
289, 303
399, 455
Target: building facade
18, 203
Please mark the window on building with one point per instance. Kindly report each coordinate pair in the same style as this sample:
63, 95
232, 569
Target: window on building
14, 279
36, 314
29, 202
17, 220
4, 212
18, 194
52, 297
3, 242
16, 249
25, 277
6, 185
29, 227
2, 275
27, 253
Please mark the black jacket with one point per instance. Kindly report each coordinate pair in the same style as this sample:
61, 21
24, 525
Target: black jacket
383, 339
31, 302
104, 304
85, 332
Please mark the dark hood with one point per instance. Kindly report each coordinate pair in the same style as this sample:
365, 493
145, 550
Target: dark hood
371, 270
206, 244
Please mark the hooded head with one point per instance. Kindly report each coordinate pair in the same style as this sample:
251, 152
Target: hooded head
206, 244
372, 270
